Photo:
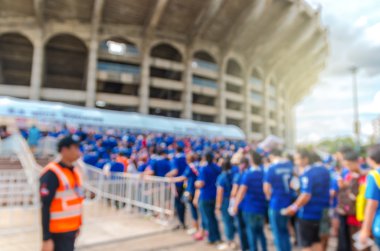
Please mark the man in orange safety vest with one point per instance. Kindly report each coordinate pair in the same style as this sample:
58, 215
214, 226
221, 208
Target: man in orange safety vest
61, 195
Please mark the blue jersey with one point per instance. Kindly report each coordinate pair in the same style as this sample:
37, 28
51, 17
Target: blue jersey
161, 167
208, 174
373, 193
225, 181
191, 173
179, 163
254, 200
278, 176
315, 181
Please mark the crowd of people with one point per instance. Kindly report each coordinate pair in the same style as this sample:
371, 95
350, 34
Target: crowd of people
302, 198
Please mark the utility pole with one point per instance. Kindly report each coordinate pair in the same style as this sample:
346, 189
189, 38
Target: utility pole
356, 123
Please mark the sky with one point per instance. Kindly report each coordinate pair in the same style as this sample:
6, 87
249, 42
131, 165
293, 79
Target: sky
354, 39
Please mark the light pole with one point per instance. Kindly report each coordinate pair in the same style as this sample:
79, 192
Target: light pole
356, 124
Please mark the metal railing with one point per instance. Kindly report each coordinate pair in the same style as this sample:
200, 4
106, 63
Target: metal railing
119, 68
135, 193
205, 82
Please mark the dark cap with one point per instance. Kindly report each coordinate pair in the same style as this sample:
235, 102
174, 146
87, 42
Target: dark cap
67, 142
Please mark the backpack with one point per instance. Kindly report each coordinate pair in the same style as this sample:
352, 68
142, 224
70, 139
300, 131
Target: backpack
361, 200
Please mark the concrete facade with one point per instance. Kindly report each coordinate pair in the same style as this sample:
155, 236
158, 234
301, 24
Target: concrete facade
242, 62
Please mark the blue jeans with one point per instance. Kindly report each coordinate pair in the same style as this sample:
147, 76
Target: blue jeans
279, 224
228, 220
207, 208
255, 231
180, 205
242, 231
193, 210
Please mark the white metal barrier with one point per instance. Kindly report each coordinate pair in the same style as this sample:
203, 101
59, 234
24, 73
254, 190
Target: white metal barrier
132, 192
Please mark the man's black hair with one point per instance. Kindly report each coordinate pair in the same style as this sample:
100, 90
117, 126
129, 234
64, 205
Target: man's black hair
226, 164
257, 158
67, 142
351, 155
306, 154
276, 152
373, 153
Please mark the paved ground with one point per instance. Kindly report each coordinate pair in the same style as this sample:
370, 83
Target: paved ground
105, 229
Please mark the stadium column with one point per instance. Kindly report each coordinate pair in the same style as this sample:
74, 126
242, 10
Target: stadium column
222, 90
93, 54
266, 129
145, 75
187, 94
91, 72
247, 105
37, 68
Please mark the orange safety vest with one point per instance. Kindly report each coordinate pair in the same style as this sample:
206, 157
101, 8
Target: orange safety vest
66, 207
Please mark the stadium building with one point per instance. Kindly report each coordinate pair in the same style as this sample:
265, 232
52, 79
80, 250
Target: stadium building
240, 62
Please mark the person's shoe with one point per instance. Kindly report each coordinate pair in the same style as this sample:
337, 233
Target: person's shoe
191, 231
198, 236
223, 246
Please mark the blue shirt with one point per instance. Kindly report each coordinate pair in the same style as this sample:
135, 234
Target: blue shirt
208, 174
191, 173
315, 181
161, 167
373, 192
254, 200
225, 181
279, 176
179, 163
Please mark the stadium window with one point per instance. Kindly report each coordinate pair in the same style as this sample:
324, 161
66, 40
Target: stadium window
203, 100
164, 94
233, 88
167, 74
235, 122
203, 117
255, 110
234, 69
256, 127
232, 105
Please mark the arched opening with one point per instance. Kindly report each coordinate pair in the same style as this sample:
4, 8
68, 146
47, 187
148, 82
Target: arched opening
65, 63
165, 79
118, 71
119, 46
202, 61
234, 69
166, 51
16, 57
256, 80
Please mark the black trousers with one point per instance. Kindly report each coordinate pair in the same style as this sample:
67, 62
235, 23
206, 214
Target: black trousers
344, 237
64, 241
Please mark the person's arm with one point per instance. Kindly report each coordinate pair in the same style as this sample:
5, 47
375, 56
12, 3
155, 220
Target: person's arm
234, 190
267, 187
301, 201
304, 197
172, 173
201, 179
239, 197
199, 184
372, 194
219, 197
196, 198
48, 186
370, 211
179, 179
